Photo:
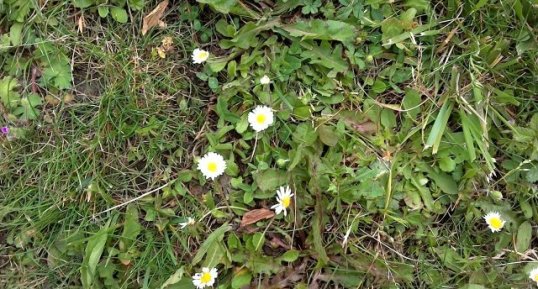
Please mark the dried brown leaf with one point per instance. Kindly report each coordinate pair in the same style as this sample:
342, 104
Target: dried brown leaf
256, 215
154, 17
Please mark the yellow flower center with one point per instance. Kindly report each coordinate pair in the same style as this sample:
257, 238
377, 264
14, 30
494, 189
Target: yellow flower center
203, 55
260, 118
286, 201
212, 167
535, 278
496, 223
206, 278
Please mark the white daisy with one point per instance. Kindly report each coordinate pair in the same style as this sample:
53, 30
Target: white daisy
205, 279
212, 165
260, 118
265, 80
199, 56
533, 275
283, 199
190, 221
494, 221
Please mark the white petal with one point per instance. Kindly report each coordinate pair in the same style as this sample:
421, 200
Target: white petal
214, 273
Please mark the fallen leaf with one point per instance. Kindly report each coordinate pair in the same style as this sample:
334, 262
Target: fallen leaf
81, 24
256, 215
52, 100
154, 17
167, 43
68, 97
160, 52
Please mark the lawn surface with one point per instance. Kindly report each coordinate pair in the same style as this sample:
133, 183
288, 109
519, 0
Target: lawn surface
398, 126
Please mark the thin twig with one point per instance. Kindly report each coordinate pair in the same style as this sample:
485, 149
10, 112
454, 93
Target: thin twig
131, 200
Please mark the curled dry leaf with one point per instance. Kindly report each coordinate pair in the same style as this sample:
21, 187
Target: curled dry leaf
154, 17
256, 215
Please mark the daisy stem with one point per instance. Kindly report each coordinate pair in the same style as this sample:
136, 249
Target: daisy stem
254, 149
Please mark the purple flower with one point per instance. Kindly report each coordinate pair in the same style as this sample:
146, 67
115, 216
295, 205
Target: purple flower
4, 130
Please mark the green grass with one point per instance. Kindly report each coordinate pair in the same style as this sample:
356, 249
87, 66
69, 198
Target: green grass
389, 193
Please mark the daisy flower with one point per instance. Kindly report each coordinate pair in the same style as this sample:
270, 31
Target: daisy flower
205, 279
283, 199
494, 221
190, 221
265, 79
199, 56
533, 275
4, 130
260, 118
212, 165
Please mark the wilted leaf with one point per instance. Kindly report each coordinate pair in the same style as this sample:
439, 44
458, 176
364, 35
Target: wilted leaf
256, 215
154, 17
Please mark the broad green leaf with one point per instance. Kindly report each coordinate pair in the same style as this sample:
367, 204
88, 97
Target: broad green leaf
103, 11
434, 139
174, 278
119, 14
270, 179
217, 64
322, 30
424, 192
444, 182
523, 238
241, 278
325, 55
15, 34
388, 119
28, 107
317, 224
258, 239
247, 36
58, 74
93, 252
290, 256
327, 135
9, 97
411, 103
131, 227
82, 3
469, 142
347, 278
212, 240
379, 86
447, 164
222, 6
136, 4
420, 5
